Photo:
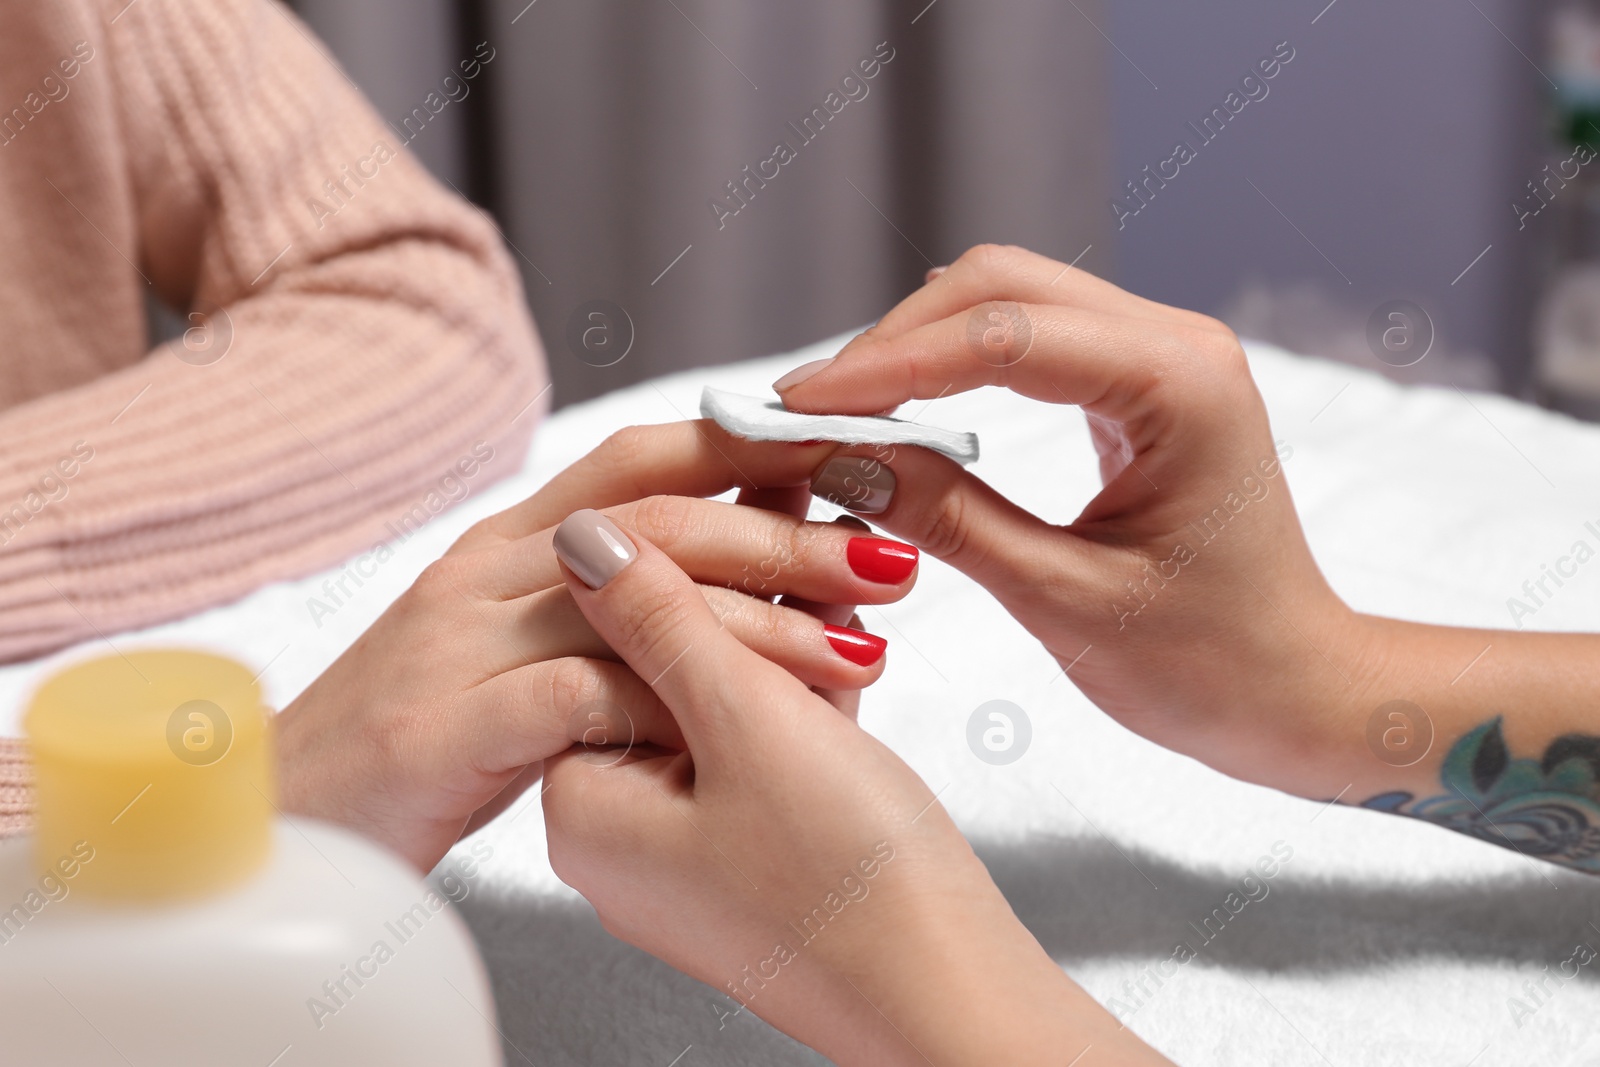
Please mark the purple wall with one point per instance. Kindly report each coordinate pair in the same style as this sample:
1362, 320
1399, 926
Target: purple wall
1396, 140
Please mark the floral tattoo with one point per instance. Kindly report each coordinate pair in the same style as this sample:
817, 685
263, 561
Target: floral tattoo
1547, 808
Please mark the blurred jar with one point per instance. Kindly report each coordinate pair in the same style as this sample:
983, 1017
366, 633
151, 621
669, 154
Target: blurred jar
1567, 328
164, 912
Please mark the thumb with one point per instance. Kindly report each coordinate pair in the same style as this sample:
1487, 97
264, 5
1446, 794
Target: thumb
655, 618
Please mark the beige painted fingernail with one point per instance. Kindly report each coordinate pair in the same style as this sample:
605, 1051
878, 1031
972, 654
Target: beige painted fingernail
593, 547
800, 374
859, 483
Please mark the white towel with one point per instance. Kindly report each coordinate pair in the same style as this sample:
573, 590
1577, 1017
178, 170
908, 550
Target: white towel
768, 420
1384, 942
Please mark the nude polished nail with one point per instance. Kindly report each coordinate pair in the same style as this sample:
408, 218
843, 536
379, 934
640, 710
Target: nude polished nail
593, 547
859, 483
857, 646
800, 374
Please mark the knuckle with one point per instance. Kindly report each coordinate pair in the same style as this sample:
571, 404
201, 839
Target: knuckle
1228, 348
625, 450
1209, 324
665, 520
944, 531
765, 627
479, 533
793, 543
570, 683
1000, 332
446, 577
628, 441
986, 258
1217, 348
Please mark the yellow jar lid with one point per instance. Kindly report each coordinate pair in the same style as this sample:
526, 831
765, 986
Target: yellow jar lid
158, 764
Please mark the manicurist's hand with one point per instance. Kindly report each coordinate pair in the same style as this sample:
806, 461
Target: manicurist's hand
439, 715
1183, 599
786, 858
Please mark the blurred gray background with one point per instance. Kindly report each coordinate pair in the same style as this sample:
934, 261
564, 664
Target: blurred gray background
1382, 164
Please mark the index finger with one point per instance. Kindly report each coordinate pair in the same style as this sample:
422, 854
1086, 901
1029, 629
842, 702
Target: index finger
1007, 273
1115, 366
692, 458
989, 289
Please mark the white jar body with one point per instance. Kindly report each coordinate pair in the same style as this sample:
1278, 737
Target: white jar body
333, 953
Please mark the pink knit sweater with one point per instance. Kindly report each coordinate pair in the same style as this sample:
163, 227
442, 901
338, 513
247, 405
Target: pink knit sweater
358, 329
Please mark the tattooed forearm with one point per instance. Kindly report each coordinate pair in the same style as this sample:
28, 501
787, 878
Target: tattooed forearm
1547, 808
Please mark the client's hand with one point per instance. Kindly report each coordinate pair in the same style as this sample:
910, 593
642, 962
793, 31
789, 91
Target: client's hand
439, 715
1183, 600
787, 858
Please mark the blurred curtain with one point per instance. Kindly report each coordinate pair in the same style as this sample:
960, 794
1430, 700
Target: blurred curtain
600, 134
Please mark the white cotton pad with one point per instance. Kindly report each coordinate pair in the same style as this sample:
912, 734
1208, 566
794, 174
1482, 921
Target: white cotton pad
768, 420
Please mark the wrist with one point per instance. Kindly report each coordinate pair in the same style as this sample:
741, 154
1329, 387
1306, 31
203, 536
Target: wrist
308, 785
1348, 724
1291, 713
289, 761
959, 979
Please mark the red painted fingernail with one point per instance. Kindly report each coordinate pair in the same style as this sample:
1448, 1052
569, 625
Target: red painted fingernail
878, 560
857, 646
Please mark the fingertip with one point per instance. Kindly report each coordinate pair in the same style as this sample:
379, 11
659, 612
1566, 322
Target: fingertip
857, 646
865, 378
802, 373
807, 374
880, 560
856, 658
593, 547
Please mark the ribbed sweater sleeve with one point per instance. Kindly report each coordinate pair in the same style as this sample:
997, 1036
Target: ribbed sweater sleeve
363, 329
